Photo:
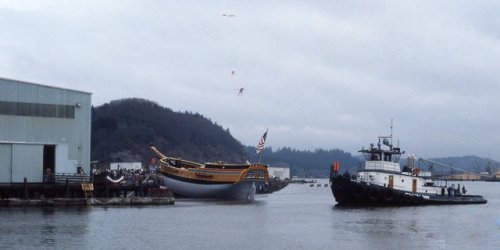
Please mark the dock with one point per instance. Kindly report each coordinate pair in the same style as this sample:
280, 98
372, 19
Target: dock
50, 202
81, 190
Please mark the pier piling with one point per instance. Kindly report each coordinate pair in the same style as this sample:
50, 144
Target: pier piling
26, 193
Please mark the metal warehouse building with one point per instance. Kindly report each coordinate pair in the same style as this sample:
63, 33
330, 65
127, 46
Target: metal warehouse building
42, 129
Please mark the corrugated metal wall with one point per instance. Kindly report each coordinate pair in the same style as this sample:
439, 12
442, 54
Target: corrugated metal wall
73, 133
27, 161
5, 163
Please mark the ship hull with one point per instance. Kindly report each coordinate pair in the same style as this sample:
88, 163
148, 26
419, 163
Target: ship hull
211, 180
243, 190
351, 193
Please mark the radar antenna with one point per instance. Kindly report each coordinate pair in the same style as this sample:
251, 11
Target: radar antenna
385, 140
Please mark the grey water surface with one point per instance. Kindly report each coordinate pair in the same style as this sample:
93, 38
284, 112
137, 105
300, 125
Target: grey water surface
297, 217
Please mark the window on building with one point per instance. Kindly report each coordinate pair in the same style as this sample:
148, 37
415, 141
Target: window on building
37, 110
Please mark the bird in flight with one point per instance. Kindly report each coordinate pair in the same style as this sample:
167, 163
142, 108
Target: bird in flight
233, 72
228, 15
240, 91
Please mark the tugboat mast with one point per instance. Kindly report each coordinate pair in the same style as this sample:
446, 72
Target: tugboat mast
385, 141
390, 137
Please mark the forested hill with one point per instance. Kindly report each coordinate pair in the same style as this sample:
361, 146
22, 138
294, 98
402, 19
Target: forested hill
472, 164
317, 163
122, 131
305, 163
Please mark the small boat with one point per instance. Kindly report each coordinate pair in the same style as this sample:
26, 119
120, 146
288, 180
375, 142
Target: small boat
211, 180
381, 182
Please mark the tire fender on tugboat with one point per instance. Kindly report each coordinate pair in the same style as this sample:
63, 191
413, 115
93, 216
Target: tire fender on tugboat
420, 199
414, 199
374, 193
388, 194
401, 197
358, 191
407, 198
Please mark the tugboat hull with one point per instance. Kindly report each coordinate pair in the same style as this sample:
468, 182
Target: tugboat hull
348, 192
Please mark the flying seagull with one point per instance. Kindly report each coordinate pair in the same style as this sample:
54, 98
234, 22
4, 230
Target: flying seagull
228, 15
233, 72
240, 91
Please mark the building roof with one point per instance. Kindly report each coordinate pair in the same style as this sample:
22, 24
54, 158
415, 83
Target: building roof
42, 85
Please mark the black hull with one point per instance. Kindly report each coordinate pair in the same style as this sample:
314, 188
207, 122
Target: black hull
351, 193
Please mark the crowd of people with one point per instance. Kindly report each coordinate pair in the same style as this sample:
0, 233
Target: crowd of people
127, 177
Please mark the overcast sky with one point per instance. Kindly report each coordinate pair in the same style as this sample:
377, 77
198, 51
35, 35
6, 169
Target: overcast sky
318, 74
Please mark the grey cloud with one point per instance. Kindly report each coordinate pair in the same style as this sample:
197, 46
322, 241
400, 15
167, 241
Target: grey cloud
323, 74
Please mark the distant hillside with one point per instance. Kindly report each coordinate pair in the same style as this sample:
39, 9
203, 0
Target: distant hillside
122, 130
306, 163
468, 163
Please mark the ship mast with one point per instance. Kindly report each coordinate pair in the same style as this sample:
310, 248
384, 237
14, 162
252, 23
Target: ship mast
385, 141
391, 134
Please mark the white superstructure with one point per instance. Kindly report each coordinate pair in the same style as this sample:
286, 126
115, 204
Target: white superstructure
382, 168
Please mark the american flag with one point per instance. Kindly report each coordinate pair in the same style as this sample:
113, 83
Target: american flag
262, 140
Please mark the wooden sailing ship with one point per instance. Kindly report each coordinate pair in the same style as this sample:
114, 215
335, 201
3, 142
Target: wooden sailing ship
211, 180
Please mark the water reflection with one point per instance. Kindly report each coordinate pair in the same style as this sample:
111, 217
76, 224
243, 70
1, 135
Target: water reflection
48, 229
42, 227
297, 217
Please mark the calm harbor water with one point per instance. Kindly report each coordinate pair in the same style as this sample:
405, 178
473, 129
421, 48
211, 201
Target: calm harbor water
297, 217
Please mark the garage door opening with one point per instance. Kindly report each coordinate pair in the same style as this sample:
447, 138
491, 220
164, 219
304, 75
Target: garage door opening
49, 162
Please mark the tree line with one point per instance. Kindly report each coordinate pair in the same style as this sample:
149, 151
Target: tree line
123, 130
306, 163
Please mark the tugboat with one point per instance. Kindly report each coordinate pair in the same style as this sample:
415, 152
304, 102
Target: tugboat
381, 182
